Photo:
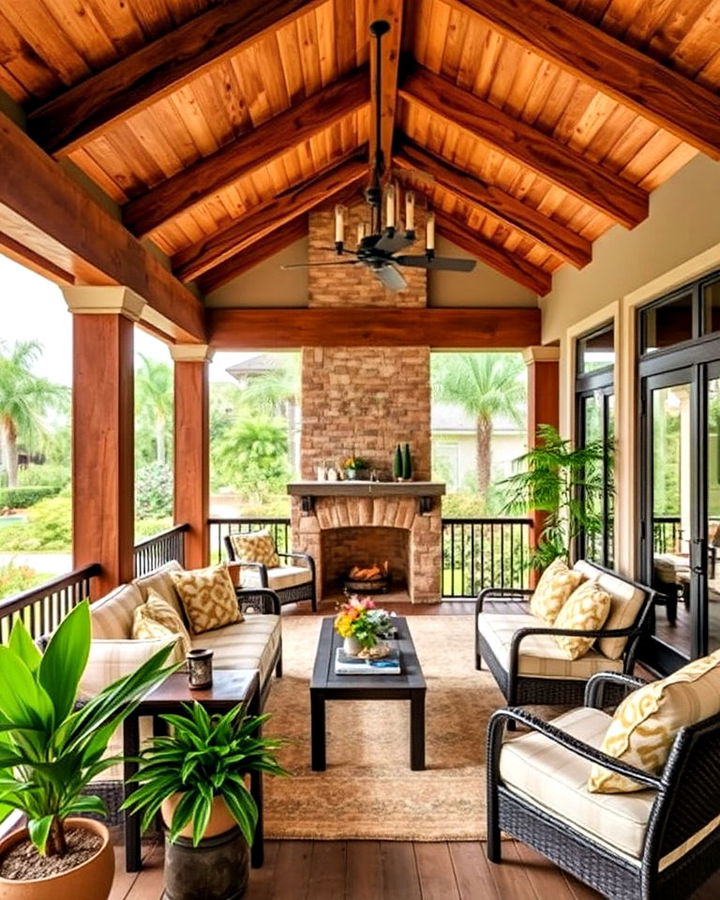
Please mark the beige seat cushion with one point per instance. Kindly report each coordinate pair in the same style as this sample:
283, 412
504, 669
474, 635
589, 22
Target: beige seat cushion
161, 582
646, 723
556, 584
250, 644
551, 777
110, 660
279, 577
586, 609
255, 546
625, 603
540, 656
111, 617
208, 596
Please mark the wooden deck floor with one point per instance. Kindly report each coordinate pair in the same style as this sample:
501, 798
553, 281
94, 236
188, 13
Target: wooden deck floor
387, 870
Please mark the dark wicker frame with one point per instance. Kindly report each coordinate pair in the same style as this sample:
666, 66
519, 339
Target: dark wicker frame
522, 689
293, 594
687, 799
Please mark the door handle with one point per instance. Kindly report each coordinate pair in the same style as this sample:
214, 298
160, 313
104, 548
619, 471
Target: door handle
698, 561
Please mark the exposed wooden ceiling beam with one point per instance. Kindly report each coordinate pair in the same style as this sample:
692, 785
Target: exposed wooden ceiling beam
489, 198
155, 70
45, 211
254, 254
449, 329
252, 151
391, 11
655, 91
599, 188
266, 217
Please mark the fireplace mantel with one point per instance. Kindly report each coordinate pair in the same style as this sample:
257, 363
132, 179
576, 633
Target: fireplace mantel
423, 490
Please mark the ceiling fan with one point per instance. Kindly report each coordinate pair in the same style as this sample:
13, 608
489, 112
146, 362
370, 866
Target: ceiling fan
378, 250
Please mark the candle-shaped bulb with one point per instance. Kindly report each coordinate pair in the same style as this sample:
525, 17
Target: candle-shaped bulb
430, 231
390, 206
409, 211
339, 224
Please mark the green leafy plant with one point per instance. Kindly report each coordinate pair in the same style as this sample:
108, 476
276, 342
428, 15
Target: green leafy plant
154, 491
49, 750
565, 483
205, 757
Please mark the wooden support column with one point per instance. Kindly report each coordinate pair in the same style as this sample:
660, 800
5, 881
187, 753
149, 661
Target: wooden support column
192, 449
103, 430
543, 389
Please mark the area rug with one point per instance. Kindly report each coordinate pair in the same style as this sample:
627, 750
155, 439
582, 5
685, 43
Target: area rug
368, 790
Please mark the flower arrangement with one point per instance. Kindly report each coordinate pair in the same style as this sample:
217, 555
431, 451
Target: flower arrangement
359, 618
355, 462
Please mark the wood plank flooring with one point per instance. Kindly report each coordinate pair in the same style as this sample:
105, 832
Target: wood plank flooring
387, 870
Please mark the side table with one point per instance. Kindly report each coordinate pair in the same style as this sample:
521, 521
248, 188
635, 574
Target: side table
230, 687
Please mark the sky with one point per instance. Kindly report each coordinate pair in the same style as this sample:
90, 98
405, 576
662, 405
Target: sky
33, 308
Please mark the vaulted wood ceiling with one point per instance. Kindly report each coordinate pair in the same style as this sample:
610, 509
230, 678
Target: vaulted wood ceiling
216, 126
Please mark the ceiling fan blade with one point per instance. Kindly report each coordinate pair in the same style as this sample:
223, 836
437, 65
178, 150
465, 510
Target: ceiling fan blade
311, 265
390, 243
390, 277
447, 263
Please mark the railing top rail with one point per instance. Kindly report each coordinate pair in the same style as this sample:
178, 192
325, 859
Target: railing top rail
250, 520
19, 601
481, 520
169, 532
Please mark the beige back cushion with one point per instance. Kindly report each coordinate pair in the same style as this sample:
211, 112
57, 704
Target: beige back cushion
161, 582
556, 584
209, 598
625, 603
256, 546
111, 617
586, 609
646, 723
110, 660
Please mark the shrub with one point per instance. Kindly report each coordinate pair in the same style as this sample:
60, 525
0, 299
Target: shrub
48, 528
145, 528
153, 491
14, 579
23, 497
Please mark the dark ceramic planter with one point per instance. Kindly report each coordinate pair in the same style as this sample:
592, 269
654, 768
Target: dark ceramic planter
217, 869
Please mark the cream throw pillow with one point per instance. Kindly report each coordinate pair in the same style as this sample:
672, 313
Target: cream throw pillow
159, 611
209, 598
585, 610
148, 629
645, 725
257, 547
556, 584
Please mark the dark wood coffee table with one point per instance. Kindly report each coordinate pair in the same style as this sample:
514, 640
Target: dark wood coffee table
230, 687
326, 685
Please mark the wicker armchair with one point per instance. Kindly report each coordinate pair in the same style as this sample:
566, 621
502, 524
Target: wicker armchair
660, 842
523, 656
291, 583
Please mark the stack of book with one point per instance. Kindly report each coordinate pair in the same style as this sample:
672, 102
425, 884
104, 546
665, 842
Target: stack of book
356, 665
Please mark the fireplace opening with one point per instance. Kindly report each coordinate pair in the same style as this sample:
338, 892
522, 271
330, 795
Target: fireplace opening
364, 560
373, 579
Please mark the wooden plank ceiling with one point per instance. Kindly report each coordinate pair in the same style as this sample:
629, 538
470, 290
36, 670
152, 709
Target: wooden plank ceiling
216, 126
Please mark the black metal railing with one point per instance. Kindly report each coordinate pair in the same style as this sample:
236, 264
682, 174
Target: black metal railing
667, 534
479, 553
279, 528
42, 608
155, 551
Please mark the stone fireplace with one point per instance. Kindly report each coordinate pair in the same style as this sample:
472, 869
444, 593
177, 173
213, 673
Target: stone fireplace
364, 401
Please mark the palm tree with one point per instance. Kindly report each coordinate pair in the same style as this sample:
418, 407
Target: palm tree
24, 400
485, 386
154, 399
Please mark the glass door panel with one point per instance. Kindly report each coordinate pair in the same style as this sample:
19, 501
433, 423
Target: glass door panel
670, 502
712, 545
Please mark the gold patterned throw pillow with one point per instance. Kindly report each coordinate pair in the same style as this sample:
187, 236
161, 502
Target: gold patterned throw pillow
556, 584
645, 725
208, 597
257, 547
145, 628
157, 608
585, 610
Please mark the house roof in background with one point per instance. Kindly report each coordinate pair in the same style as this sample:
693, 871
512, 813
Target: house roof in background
445, 418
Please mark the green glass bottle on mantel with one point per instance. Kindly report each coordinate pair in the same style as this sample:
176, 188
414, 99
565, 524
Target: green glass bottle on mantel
397, 467
407, 472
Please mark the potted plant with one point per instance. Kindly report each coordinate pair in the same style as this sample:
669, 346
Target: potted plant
196, 778
362, 626
50, 750
355, 467
564, 482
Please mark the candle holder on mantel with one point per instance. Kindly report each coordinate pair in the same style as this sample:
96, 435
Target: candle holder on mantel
199, 669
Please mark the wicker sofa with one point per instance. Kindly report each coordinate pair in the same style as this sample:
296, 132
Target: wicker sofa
660, 842
523, 656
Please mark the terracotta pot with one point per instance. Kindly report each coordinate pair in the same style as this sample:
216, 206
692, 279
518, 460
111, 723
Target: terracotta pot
92, 880
220, 818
